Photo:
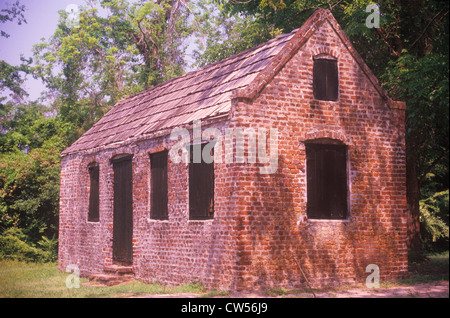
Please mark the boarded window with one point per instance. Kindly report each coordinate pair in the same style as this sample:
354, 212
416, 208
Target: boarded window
326, 181
325, 79
159, 200
201, 183
93, 214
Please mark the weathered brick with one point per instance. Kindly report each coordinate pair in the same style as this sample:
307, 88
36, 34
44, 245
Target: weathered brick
260, 220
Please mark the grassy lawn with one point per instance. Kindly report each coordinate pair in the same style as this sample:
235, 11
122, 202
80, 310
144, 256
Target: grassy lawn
31, 280
434, 269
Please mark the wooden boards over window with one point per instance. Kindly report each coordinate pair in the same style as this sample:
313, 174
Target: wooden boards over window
158, 190
326, 181
201, 183
325, 79
93, 213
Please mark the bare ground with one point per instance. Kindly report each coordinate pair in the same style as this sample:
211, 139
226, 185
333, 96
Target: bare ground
439, 289
425, 290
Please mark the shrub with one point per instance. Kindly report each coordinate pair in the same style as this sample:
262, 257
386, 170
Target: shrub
49, 246
434, 221
12, 247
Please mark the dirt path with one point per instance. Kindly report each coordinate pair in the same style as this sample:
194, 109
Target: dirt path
427, 290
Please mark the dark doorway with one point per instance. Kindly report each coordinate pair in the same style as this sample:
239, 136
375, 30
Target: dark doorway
123, 211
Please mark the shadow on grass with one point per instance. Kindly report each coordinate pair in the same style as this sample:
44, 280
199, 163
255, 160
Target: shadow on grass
435, 267
31, 280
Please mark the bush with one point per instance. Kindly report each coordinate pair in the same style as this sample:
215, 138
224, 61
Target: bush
12, 247
434, 221
49, 246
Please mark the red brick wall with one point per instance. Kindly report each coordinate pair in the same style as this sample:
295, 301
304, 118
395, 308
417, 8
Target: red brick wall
257, 228
180, 250
330, 252
171, 251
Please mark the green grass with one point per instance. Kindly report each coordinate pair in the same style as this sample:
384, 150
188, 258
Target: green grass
32, 280
435, 268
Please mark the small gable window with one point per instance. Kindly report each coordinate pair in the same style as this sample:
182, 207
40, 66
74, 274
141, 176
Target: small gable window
326, 170
93, 214
325, 78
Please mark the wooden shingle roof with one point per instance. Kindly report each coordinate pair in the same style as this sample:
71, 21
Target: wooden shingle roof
204, 93
200, 94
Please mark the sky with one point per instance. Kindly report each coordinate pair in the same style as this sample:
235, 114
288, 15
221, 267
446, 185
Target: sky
42, 18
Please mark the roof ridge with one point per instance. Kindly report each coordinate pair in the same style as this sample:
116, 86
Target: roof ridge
210, 66
209, 90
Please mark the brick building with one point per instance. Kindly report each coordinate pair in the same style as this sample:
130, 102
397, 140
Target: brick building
331, 198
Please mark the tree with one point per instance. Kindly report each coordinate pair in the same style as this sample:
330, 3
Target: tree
11, 77
89, 67
221, 33
11, 13
157, 30
30, 142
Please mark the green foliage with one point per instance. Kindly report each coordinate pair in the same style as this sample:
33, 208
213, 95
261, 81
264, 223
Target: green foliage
29, 190
29, 171
10, 13
423, 83
13, 246
434, 220
10, 78
222, 34
50, 247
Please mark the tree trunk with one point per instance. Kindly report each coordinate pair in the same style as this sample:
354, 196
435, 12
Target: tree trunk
413, 197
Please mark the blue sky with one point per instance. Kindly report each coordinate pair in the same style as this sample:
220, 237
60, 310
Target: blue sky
42, 19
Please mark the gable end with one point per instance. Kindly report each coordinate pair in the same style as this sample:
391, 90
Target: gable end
301, 36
